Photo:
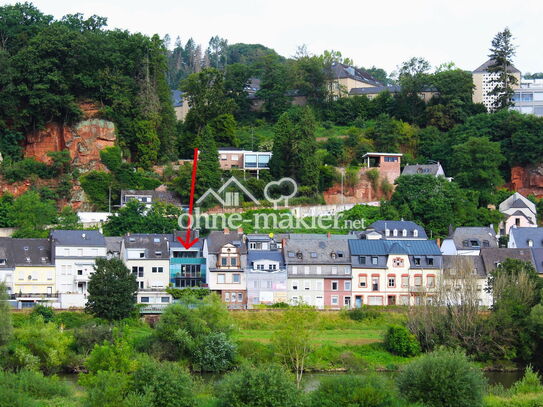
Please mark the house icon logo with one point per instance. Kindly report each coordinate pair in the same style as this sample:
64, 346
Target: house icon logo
228, 198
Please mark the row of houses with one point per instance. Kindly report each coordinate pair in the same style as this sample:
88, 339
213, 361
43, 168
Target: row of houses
390, 263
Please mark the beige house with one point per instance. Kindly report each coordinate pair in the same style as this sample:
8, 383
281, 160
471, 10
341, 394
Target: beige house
484, 84
344, 78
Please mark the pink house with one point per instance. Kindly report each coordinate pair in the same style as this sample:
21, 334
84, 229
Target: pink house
337, 292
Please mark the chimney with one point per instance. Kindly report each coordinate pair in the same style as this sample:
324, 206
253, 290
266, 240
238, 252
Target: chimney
438, 242
226, 231
240, 230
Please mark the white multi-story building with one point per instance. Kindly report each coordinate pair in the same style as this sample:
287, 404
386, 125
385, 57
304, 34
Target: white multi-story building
528, 98
74, 256
148, 257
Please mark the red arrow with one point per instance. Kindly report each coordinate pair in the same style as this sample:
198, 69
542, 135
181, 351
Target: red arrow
187, 243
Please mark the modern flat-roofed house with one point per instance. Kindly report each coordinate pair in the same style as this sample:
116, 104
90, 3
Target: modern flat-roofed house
390, 272
388, 164
74, 254
266, 273
7, 266
148, 257
187, 266
528, 99
319, 270
519, 212
525, 238
226, 254
468, 241
251, 162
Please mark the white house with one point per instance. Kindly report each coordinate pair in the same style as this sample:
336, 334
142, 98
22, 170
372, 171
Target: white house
148, 257
74, 256
468, 241
519, 212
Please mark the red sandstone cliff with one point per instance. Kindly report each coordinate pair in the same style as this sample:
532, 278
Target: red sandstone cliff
527, 180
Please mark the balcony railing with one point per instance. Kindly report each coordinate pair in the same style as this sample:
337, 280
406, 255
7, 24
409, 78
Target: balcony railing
187, 260
33, 295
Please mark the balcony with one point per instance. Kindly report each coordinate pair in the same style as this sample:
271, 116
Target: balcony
187, 260
33, 295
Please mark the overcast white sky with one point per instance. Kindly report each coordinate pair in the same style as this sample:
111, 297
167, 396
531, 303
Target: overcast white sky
380, 33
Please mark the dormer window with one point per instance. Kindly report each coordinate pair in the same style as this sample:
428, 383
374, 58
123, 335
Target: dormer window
395, 232
465, 243
486, 243
291, 254
415, 233
131, 239
333, 255
313, 255
2, 261
299, 255
340, 254
156, 240
387, 232
475, 243
404, 233
530, 243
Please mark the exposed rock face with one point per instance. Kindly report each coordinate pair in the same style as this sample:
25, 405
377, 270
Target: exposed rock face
362, 192
84, 142
527, 180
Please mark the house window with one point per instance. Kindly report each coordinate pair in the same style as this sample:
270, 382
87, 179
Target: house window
465, 243
397, 262
395, 232
387, 232
334, 285
362, 259
260, 267
430, 261
486, 243
273, 266
517, 222
158, 253
306, 269
144, 299
430, 281
374, 260
224, 261
141, 285
240, 297
347, 286
307, 285
157, 269
391, 281
233, 262
347, 301
346, 270
405, 281
164, 300
80, 272
404, 233
416, 260
415, 233
418, 281
318, 285
319, 269
295, 285
220, 278
138, 271
313, 255
363, 281
142, 255
530, 243
227, 297
236, 278
294, 269
334, 270
335, 300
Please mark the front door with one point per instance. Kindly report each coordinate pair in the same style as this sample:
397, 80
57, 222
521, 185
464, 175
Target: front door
358, 301
375, 283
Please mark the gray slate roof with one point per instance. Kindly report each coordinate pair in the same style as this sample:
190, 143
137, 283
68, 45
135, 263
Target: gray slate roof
474, 234
381, 225
537, 256
339, 70
385, 247
217, 239
152, 243
273, 255
522, 235
452, 262
317, 251
79, 238
113, 244
484, 68
493, 256
422, 169
25, 252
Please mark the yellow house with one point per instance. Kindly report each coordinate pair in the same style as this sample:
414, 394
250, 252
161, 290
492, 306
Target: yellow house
344, 78
34, 273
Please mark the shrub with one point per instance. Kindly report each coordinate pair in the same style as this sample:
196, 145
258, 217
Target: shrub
46, 313
280, 305
214, 352
269, 386
362, 313
167, 384
442, 379
401, 342
530, 383
354, 391
86, 337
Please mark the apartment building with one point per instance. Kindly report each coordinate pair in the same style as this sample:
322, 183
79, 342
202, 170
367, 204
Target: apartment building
226, 254
148, 257
265, 273
390, 272
187, 266
484, 82
528, 99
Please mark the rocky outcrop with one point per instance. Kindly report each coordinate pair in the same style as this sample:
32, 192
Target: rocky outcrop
362, 192
83, 140
527, 180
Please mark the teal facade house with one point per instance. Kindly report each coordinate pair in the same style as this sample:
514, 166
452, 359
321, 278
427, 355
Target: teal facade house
187, 266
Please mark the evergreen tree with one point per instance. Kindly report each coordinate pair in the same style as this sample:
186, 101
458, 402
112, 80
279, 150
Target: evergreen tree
112, 290
502, 53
